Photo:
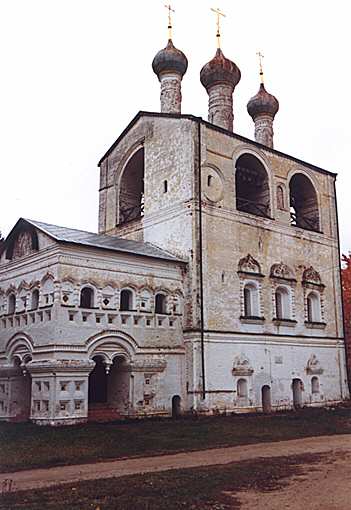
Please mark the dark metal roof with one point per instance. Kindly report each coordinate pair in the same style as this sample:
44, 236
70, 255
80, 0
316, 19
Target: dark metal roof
106, 242
215, 128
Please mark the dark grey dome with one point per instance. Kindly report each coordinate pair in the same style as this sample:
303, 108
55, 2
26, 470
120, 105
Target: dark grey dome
262, 103
170, 59
219, 70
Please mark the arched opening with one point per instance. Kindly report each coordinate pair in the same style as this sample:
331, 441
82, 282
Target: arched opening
315, 385
252, 186
313, 307
242, 388
176, 406
98, 382
131, 189
266, 399
297, 388
282, 303
160, 304
86, 297
35, 299
21, 390
304, 212
109, 393
126, 300
11, 303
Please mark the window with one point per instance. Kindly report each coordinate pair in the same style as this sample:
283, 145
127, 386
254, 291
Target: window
252, 186
282, 303
11, 304
280, 198
131, 189
304, 211
165, 186
209, 180
126, 300
242, 388
47, 290
315, 384
251, 305
160, 304
86, 298
313, 307
35, 299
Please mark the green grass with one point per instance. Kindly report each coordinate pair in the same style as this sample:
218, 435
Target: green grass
24, 446
205, 488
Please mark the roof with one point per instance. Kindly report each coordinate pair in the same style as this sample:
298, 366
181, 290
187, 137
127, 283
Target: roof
215, 128
102, 241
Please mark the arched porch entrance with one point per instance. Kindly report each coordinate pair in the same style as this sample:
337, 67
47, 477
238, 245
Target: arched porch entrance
21, 391
297, 388
266, 399
109, 389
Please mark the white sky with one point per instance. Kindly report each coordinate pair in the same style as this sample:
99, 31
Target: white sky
75, 72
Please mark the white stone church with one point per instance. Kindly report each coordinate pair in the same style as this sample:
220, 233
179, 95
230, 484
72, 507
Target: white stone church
213, 285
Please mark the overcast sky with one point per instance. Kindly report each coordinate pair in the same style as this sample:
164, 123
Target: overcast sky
75, 72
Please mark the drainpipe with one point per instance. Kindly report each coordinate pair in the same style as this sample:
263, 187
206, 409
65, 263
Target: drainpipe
342, 301
201, 264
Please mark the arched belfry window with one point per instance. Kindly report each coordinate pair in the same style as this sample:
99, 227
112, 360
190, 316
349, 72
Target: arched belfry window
252, 186
304, 212
131, 189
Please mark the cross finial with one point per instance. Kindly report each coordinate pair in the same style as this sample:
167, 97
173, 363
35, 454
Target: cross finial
170, 10
218, 13
260, 57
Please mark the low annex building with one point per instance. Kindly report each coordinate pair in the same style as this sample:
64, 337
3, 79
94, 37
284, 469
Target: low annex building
212, 286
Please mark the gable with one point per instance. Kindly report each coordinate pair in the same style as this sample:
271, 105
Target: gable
24, 240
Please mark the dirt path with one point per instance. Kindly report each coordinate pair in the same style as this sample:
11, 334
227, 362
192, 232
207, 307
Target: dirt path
37, 478
322, 486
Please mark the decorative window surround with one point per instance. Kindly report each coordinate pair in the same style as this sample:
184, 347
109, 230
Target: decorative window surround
251, 319
315, 325
313, 366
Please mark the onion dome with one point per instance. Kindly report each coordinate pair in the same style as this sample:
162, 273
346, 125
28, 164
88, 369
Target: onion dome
262, 103
170, 59
219, 70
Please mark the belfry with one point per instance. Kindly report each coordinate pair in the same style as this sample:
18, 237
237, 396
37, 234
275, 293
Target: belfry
212, 285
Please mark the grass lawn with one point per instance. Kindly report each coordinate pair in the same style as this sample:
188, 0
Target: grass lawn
204, 488
24, 446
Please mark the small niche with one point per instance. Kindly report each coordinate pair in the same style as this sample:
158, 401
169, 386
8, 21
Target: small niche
165, 186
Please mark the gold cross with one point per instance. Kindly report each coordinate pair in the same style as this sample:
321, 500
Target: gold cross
260, 57
219, 13
169, 7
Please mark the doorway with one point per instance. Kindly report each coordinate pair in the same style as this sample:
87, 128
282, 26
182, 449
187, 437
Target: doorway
21, 392
98, 382
176, 408
266, 399
297, 388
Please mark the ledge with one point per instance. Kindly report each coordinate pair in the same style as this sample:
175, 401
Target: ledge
252, 320
315, 325
250, 273
290, 323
